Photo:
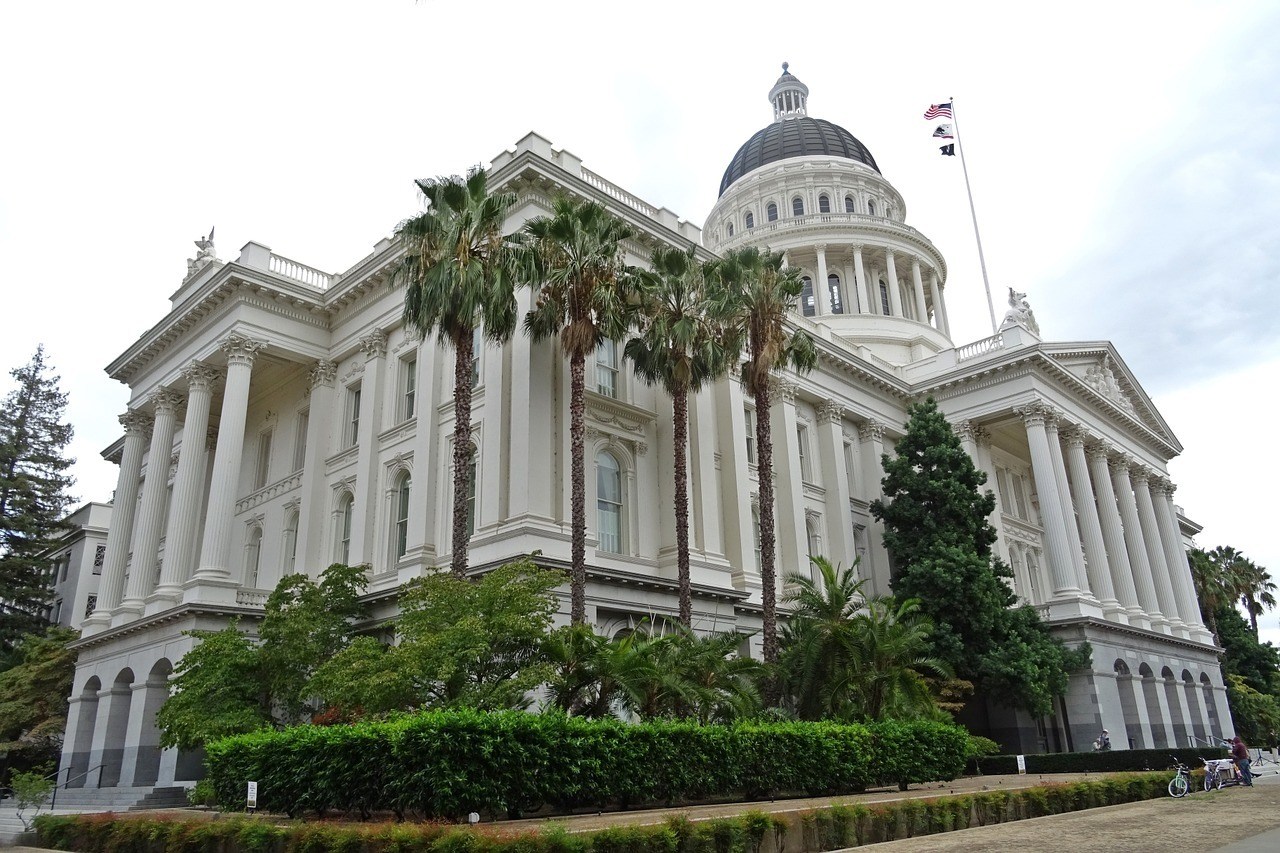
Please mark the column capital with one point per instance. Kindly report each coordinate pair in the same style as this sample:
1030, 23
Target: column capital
871, 430
1119, 461
200, 377
1162, 485
821, 247
374, 344
830, 412
784, 390
965, 431
980, 433
857, 247
241, 350
166, 401
1139, 474
1037, 413
1077, 436
323, 373
135, 422
1097, 447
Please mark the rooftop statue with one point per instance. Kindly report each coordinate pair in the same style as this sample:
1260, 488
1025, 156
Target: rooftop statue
204, 256
1020, 313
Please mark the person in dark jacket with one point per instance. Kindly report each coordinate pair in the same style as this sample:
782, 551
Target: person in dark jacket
1240, 753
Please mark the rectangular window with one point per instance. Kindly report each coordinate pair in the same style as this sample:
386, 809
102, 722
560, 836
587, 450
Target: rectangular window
802, 442
408, 387
850, 467
300, 440
1020, 496
477, 349
66, 566
755, 532
1002, 486
99, 557
264, 460
57, 612
607, 369
749, 416
90, 604
351, 431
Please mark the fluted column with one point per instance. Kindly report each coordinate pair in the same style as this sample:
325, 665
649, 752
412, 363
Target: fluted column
792, 543
1068, 506
1061, 567
1095, 549
1113, 536
895, 298
1140, 477
372, 388
939, 316
864, 286
155, 491
820, 286
124, 507
840, 545
215, 550
1184, 586
314, 549
1174, 557
917, 284
1135, 545
188, 483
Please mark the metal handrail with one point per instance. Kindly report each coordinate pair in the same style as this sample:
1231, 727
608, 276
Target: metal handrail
53, 801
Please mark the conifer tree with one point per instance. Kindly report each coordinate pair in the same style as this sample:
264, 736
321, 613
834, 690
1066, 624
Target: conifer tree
940, 545
33, 495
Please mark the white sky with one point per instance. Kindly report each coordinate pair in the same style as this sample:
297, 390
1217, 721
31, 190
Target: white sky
1123, 160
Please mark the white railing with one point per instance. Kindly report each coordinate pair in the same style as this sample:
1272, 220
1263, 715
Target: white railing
252, 597
269, 491
982, 347
616, 192
309, 276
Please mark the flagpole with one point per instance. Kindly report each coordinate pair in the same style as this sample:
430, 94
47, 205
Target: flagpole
982, 261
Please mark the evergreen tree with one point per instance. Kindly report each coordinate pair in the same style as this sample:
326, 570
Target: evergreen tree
33, 495
939, 541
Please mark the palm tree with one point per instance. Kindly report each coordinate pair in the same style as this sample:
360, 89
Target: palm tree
459, 274
679, 347
1224, 576
753, 292
816, 639
574, 258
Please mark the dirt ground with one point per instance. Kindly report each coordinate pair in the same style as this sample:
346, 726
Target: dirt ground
1198, 822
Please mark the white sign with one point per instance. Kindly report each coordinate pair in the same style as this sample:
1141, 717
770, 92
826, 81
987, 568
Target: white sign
1022, 766
251, 797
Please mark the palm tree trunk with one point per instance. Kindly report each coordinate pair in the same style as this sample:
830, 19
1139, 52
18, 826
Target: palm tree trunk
461, 448
768, 547
680, 439
578, 498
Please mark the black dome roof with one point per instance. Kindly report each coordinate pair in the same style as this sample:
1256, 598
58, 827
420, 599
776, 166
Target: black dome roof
796, 137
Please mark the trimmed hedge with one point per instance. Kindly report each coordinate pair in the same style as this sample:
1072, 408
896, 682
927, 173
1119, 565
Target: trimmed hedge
449, 763
753, 832
1111, 761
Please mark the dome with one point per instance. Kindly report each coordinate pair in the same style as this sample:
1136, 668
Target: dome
796, 137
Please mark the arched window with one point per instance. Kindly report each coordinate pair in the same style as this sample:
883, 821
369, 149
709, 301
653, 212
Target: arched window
797, 206
884, 298
750, 220
400, 536
253, 557
807, 306
871, 206
730, 229
824, 204
609, 502
290, 541
471, 492
833, 287
849, 206
346, 512
607, 368
771, 212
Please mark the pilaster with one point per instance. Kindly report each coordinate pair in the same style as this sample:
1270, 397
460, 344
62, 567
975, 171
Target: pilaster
313, 546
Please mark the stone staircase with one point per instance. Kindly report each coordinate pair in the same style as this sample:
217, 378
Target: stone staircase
82, 800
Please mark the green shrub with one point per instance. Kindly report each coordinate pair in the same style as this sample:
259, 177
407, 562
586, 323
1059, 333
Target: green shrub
1112, 761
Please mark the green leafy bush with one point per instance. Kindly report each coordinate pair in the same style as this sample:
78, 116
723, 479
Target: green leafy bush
449, 763
1112, 761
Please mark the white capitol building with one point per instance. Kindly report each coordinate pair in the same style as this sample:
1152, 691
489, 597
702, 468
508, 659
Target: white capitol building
282, 418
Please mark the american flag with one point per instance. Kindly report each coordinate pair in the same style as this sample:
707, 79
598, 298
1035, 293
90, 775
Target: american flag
936, 110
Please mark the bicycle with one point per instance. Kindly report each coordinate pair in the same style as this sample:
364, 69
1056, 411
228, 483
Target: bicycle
1218, 773
1180, 784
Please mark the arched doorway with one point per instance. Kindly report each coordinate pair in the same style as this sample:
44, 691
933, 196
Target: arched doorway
1177, 708
1159, 736
153, 694
119, 698
86, 716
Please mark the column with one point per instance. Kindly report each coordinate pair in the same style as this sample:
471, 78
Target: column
132, 742
1068, 506
735, 484
1139, 476
871, 434
1183, 586
940, 305
151, 512
215, 550
936, 296
420, 543
1095, 549
864, 287
917, 284
982, 444
368, 471
124, 507
788, 485
851, 303
820, 286
1113, 537
1057, 544
895, 297
184, 514
108, 736
1106, 687
313, 548
533, 445
706, 520
840, 545
1134, 544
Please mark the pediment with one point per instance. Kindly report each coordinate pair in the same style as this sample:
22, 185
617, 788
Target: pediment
1107, 380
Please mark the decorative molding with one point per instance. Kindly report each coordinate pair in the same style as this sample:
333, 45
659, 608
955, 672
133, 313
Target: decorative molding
269, 491
830, 412
323, 373
1102, 379
356, 369
374, 344
872, 430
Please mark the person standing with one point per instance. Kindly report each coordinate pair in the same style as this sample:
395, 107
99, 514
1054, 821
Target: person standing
1240, 753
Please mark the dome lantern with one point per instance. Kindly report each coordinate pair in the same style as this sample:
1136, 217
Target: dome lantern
789, 97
